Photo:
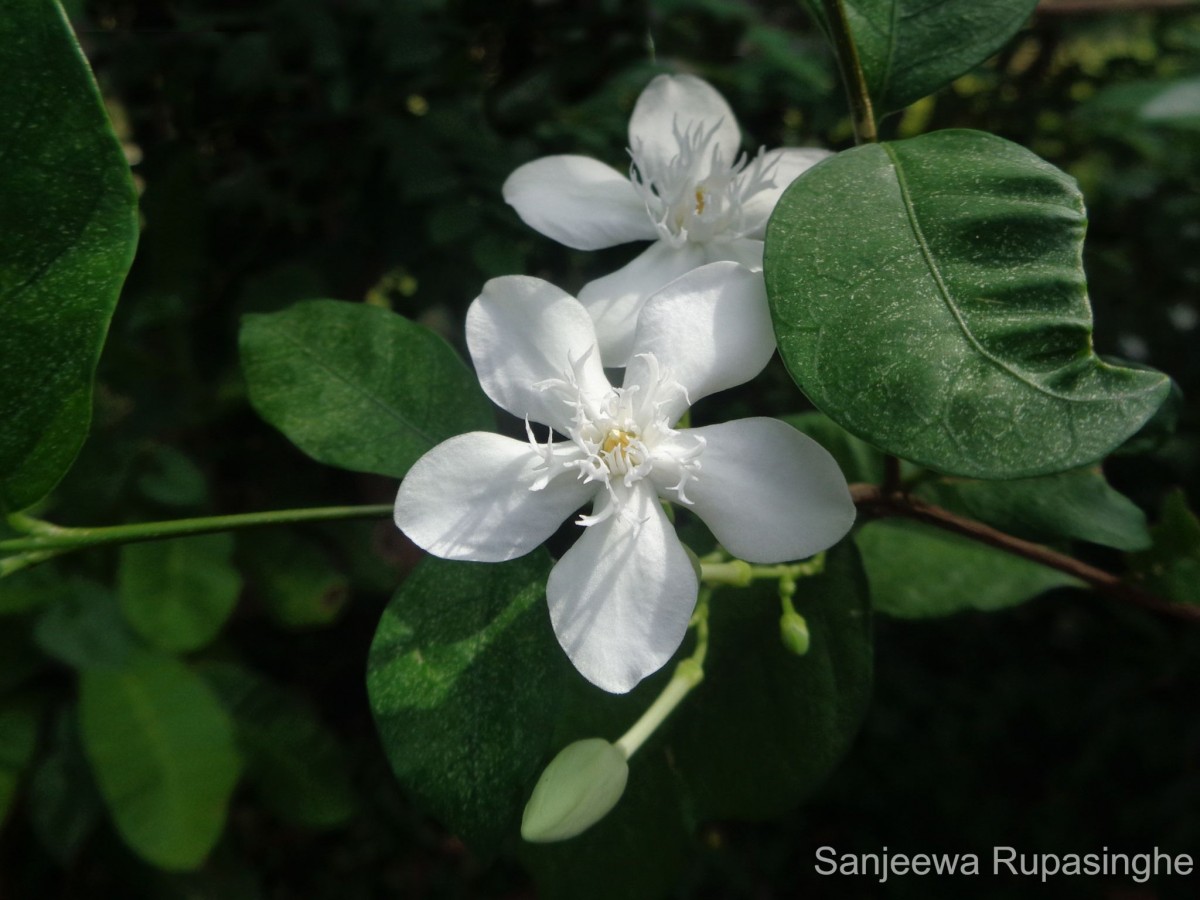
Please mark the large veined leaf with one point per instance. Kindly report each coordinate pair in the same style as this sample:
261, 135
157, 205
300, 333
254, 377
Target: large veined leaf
68, 227
357, 386
464, 677
767, 726
163, 753
756, 736
929, 296
910, 48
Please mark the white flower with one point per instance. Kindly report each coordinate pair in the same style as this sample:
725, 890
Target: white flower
621, 597
688, 190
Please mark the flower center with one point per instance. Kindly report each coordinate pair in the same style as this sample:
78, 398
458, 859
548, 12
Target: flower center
699, 194
620, 438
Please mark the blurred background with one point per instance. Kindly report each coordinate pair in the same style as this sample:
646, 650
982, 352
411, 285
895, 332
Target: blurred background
354, 149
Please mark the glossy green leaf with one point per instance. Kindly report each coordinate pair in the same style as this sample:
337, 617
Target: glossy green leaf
1171, 566
766, 726
464, 675
163, 752
911, 48
1078, 505
84, 628
178, 593
928, 296
294, 762
918, 571
357, 386
69, 221
758, 734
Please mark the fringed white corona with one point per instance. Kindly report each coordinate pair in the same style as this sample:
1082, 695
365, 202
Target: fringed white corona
690, 190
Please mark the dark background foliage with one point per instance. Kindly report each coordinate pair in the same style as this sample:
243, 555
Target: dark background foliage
355, 149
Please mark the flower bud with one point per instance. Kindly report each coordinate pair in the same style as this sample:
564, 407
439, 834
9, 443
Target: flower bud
794, 632
575, 791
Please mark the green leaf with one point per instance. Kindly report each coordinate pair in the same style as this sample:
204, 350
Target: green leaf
178, 593
766, 727
64, 805
294, 578
69, 221
464, 677
1171, 566
911, 48
358, 387
1078, 505
918, 571
760, 731
163, 753
928, 296
294, 762
84, 628
18, 740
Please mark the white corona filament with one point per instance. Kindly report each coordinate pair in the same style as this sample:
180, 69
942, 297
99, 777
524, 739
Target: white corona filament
700, 193
620, 438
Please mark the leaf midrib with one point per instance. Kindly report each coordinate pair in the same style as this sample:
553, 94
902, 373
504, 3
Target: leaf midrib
944, 291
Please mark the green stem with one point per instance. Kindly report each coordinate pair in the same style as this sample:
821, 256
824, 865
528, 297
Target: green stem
852, 73
739, 573
688, 674
46, 537
11, 564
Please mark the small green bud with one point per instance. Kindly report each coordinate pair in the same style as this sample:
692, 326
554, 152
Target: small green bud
794, 632
576, 791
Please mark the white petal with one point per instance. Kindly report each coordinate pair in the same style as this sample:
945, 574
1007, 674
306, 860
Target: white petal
767, 492
674, 104
615, 300
469, 498
579, 202
710, 329
790, 162
622, 596
747, 251
522, 331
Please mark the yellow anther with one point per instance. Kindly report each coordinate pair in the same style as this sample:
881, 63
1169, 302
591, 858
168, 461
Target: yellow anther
699, 201
616, 438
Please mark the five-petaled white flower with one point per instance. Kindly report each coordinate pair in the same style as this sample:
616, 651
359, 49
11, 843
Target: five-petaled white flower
621, 597
688, 190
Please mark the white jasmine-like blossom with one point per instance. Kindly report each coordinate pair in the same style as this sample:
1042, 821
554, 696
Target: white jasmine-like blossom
621, 598
689, 189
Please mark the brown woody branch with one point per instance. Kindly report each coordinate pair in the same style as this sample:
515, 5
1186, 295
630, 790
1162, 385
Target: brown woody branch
875, 502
